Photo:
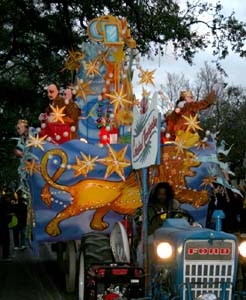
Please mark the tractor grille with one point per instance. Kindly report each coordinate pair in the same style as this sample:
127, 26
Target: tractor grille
208, 266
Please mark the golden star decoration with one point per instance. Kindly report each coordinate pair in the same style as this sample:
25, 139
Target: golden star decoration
147, 77
72, 63
192, 123
180, 145
102, 58
57, 113
115, 162
36, 142
82, 89
118, 55
82, 167
118, 99
92, 68
31, 166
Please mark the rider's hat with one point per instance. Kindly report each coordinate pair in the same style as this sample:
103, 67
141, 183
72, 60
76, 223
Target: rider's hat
184, 94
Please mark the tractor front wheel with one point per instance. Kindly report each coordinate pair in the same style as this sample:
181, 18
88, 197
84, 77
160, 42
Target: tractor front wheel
95, 250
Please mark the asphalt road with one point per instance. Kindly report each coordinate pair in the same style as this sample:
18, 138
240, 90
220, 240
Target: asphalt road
28, 277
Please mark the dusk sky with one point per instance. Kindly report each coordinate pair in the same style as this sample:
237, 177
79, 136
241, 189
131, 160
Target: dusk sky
234, 66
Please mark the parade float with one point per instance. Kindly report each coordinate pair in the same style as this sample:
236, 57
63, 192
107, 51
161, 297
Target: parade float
87, 176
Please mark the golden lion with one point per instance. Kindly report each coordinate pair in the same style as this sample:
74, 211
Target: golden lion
89, 194
174, 168
121, 197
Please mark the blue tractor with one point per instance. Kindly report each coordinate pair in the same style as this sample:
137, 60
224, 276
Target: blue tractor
185, 261
191, 262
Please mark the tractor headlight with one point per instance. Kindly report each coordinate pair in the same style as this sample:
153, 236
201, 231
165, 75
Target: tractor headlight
242, 249
164, 250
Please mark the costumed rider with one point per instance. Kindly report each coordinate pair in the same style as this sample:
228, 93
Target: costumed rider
60, 120
73, 111
22, 151
177, 123
23, 130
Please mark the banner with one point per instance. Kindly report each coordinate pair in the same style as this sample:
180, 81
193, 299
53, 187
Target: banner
145, 136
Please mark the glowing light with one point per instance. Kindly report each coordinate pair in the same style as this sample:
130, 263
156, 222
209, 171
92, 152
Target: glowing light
164, 250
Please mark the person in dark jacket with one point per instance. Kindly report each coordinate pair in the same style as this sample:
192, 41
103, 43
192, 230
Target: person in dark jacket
230, 203
160, 202
19, 231
5, 219
161, 199
217, 201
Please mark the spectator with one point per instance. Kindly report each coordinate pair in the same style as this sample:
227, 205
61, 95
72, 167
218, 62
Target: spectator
19, 231
233, 212
230, 203
242, 223
5, 219
217, 201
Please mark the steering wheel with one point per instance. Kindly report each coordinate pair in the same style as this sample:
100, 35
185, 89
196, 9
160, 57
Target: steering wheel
174, 213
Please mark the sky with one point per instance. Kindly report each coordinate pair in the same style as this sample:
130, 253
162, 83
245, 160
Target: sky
234, 66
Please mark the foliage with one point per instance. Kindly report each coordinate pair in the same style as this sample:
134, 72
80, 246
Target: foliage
231, 127
35, 37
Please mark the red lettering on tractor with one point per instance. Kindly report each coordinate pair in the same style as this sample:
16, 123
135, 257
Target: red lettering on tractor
209, 251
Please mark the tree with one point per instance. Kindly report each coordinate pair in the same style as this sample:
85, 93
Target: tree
35, 37
174, 85
233, 110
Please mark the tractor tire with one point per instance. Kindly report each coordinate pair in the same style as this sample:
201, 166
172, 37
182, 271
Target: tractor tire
70, 262
96, 248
